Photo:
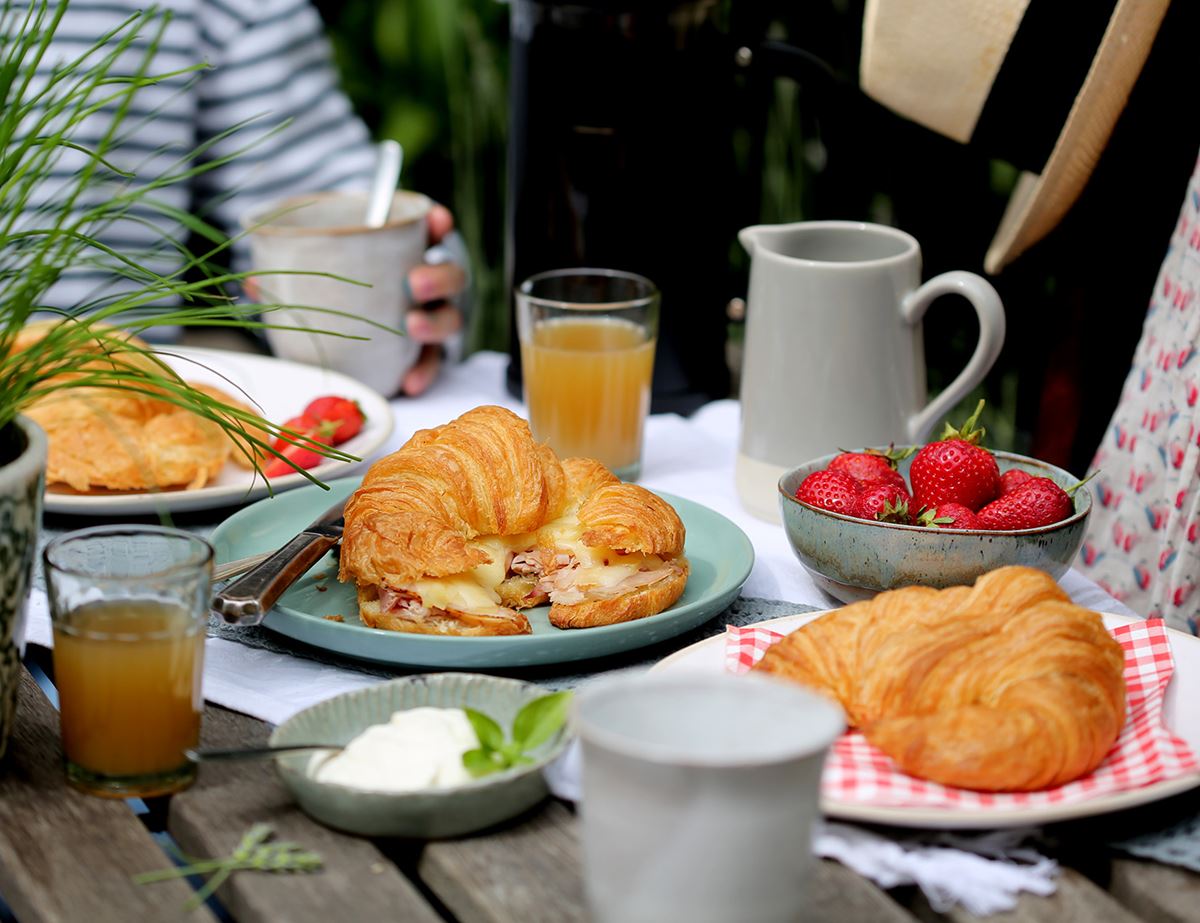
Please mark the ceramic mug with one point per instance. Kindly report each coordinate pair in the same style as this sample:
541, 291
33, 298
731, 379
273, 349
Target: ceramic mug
834, 356
324, 233
699, 795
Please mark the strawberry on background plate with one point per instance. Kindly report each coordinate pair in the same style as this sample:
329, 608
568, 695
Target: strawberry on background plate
346, 413
835, 491
299, 450
1037, 502
884, 503
949, 516
955, 469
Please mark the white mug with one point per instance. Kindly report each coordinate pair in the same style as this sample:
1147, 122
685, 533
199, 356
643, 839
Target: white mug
699, 795
834, 357
324, 232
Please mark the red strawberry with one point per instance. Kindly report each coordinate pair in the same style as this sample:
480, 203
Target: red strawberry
949, 516
829, 490
343, 411
956, 469
301, 453
1010, 480
884, 503
1037, 502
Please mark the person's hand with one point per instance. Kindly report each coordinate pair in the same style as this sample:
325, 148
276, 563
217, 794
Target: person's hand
432, 327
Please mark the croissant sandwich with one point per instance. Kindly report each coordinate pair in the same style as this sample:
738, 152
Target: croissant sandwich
472, 521
1002, 686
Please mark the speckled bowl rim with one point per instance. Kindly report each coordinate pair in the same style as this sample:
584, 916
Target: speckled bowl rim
557, 746
824, 460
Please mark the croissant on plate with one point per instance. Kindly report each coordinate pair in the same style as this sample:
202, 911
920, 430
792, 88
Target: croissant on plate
1002, 686
472, 521
107, 439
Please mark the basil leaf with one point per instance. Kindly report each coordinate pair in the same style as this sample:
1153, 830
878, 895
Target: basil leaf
541, 719
479, 763
491, 737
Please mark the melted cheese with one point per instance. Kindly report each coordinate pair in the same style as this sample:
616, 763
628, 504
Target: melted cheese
475, 591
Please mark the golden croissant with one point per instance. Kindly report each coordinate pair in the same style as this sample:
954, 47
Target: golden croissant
1002, 686
108, 439
471, 521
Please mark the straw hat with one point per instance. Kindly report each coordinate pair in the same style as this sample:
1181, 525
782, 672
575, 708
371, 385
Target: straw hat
1037, 82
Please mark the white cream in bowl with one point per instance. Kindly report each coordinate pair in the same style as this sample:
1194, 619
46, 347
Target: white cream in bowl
419, 748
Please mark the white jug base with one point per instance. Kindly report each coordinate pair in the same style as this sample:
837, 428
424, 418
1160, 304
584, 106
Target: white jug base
758, 487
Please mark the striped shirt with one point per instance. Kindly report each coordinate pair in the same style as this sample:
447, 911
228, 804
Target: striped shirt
269, 70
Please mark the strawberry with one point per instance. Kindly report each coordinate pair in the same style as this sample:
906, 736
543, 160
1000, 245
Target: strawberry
1010, 480
949, 516
870, 464
301, 453
341, 410
884, 502
1037, 502
829, 490
300, 424
956, 469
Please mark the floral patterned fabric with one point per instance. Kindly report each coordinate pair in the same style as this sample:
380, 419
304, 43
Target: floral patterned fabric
1143, 544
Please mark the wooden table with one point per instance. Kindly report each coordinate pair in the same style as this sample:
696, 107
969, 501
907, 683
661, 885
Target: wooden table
66, 856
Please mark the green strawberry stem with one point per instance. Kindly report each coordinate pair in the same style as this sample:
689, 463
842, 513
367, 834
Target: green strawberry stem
968, 432
1070, 491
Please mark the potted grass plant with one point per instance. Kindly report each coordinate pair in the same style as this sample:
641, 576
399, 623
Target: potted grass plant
42, 107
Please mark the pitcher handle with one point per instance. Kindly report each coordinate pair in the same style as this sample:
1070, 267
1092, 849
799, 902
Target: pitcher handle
990, 312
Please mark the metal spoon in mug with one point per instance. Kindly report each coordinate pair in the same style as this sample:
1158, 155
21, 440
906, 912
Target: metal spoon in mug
211, 755
383, 186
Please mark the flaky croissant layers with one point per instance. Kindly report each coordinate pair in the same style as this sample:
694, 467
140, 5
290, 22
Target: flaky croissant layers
1002, 686
470, 521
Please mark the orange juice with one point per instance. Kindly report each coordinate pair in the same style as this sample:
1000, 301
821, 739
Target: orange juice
587, 384
128, 676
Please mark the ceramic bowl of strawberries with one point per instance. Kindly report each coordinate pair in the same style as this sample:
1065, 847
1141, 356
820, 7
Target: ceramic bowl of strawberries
936, 515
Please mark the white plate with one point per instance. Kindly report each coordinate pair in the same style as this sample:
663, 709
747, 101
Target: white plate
281, 390
708, 657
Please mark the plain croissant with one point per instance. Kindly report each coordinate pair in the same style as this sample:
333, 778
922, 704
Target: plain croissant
471, 521
1003, 686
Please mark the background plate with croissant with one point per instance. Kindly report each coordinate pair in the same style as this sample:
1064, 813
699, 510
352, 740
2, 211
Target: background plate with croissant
709, 657
720, 554
281, 389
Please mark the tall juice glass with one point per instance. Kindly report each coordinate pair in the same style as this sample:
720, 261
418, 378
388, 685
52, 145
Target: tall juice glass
129, 606
587, 350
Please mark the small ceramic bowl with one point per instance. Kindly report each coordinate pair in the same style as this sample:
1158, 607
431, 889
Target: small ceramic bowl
426, 814
854, 559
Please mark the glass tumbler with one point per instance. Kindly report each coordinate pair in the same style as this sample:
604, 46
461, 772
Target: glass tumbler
129, 606
587, 350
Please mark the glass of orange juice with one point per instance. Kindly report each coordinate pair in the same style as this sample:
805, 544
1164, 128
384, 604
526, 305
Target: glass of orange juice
129, 605
587, 354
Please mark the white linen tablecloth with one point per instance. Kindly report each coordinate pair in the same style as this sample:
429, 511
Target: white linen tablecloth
690, 457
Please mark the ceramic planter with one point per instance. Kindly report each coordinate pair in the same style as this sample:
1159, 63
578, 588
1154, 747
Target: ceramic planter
22, 473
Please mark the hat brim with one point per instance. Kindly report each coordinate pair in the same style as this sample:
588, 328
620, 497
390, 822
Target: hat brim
1040, 201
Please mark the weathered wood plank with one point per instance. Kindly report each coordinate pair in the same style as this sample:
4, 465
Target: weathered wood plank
209, 819
1156, 892
65, 856
1077, 900
531, 872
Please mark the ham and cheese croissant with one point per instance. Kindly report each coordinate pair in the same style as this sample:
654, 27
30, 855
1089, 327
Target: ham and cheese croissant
1002, 686
471, 521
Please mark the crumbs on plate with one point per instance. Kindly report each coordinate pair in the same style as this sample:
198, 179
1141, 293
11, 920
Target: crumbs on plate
334, 618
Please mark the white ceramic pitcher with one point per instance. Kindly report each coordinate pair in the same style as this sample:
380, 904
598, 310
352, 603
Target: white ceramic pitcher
834, 356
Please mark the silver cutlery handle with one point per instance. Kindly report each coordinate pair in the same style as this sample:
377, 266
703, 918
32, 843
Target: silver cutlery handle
248, 600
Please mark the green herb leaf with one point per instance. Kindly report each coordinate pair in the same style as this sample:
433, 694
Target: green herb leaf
541, 719
483, 762
491, 737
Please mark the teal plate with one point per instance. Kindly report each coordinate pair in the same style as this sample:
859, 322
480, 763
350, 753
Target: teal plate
720, 554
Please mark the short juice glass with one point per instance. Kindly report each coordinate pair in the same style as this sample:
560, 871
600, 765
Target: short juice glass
587, 354
129, 606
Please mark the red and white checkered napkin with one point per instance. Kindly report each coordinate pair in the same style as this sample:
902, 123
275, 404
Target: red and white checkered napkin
1145, 753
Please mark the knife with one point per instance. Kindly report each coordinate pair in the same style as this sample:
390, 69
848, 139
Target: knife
247, 600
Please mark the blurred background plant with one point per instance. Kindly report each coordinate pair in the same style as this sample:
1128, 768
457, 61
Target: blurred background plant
434, 75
